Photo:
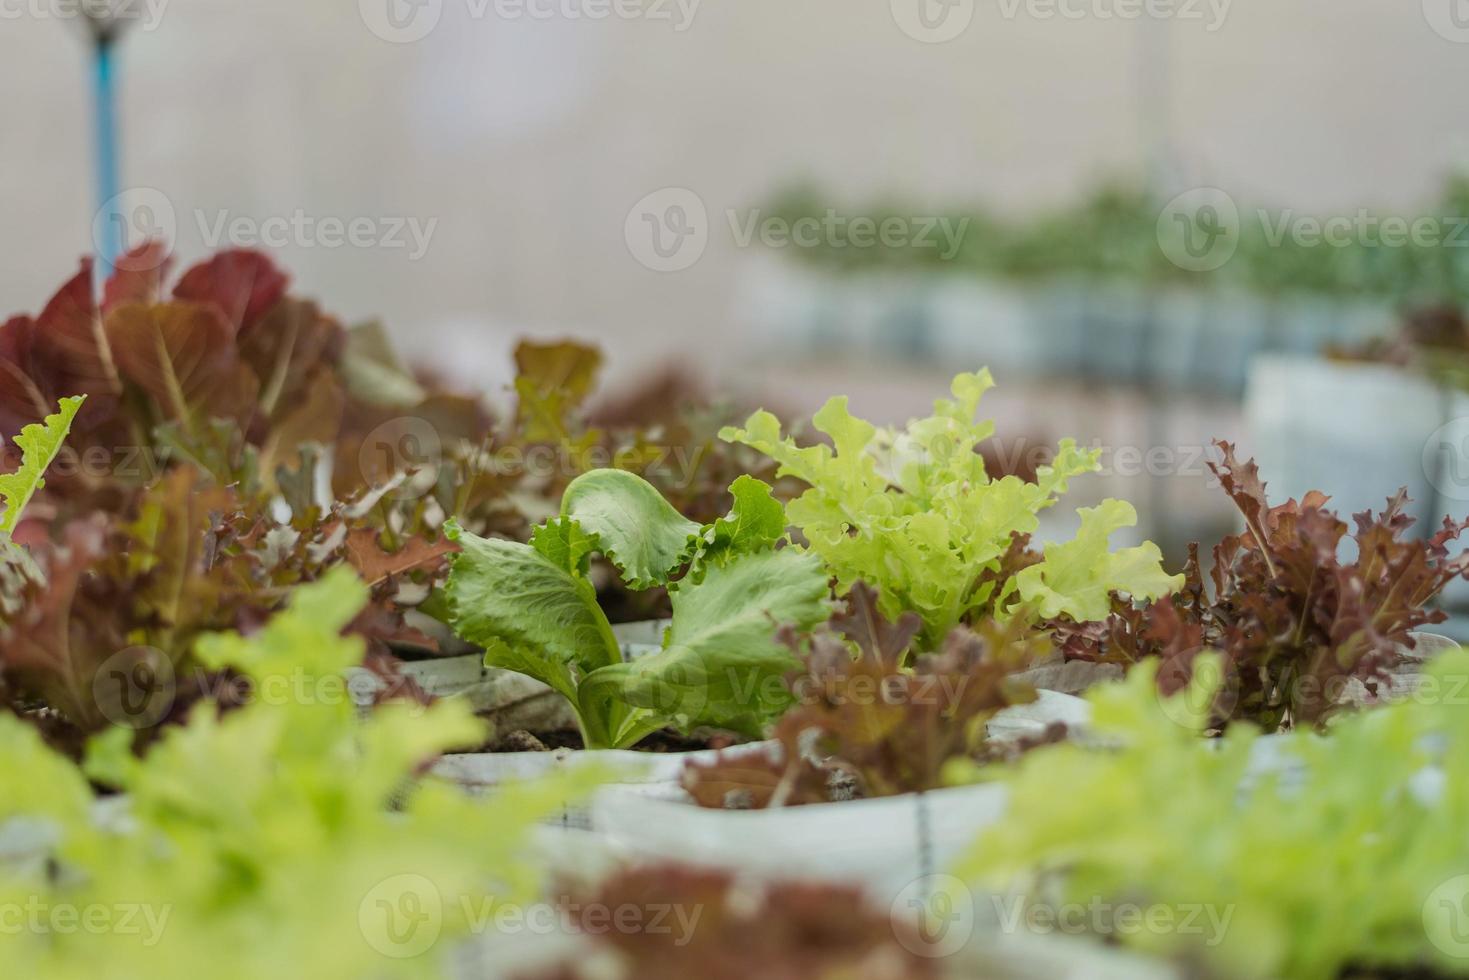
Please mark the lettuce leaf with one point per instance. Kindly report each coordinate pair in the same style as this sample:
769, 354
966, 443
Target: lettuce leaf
633, 525
1319, 856
39, 445
288, 830
755, 523
1079, 577
534, 609
721, 664
531, 614
913, 512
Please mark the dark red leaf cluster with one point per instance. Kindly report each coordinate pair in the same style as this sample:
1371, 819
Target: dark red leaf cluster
1295, 620
716, 927
196, 559
865, 722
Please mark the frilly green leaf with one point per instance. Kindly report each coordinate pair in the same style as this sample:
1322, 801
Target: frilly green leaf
39, 445
632, 524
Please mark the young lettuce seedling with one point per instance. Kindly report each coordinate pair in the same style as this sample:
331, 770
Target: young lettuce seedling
534, 609
914, 513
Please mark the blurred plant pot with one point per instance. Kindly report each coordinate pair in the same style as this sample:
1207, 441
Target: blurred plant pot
642, 775
1446, 460
1357, 432
991, 322
884, 844
513, 702
972, 942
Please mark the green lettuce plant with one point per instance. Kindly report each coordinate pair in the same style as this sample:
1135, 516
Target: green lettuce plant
534, 609
286, 838
914, 513
1348, 852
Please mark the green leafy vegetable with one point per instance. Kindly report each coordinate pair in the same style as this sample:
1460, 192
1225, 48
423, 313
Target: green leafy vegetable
1347, 850
288, 833
756, 522
39, 445
1078, 577
530, 614
534, 609
630, 522
879, 728
913, 512
1299, 627
720, 664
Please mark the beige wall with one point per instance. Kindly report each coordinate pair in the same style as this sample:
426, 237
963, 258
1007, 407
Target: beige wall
530, 140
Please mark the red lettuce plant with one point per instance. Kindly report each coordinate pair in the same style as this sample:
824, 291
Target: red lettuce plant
866, 725
1296, 622
712, 925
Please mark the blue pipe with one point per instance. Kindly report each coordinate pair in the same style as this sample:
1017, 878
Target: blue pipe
110, 235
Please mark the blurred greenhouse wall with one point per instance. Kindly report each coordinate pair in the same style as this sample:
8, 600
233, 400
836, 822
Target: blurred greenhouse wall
521, 144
